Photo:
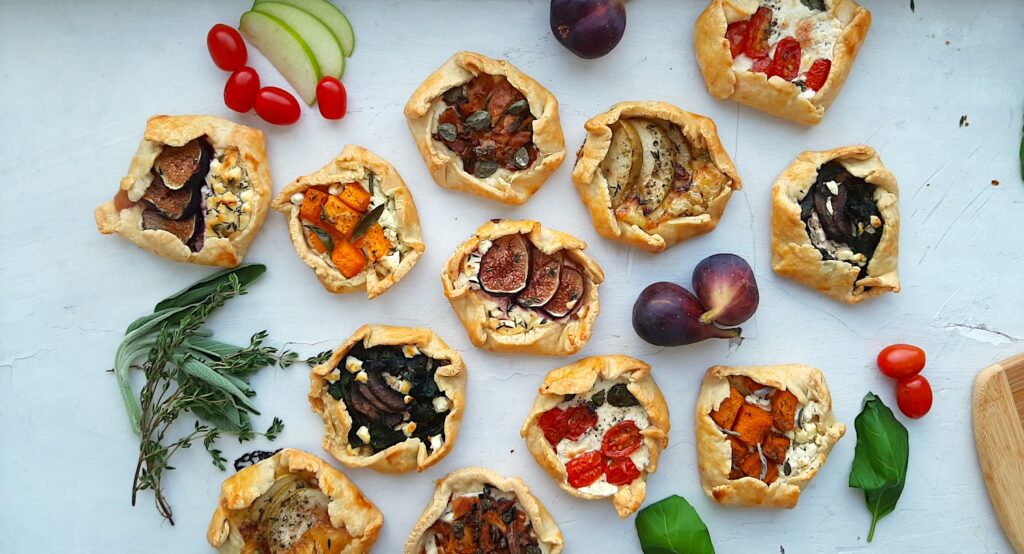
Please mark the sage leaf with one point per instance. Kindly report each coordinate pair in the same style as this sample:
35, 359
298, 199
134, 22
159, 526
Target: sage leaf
521, 158
367, 221
880, 460
485, 168
203, 288
201, 371
672, 526
519, 107
324, 236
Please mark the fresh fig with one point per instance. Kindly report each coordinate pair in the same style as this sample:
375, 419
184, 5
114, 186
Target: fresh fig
505, 266
172, 204
567, 297
544, 278
588, 28
183, 229
186, 165
726, 287
666, 314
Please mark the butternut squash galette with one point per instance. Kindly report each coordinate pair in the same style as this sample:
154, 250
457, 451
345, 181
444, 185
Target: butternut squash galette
353, 222
476, 510
653, 175
293, 502
788, 58
598, 427
484, 127
391, 399
197, 190
518, 287
763, 432
836, 223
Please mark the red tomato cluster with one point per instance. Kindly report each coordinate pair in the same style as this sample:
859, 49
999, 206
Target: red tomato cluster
750, 37
612, 460
904, 362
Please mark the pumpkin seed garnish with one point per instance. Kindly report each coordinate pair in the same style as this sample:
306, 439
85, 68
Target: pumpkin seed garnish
447, 131
479, 120
521, 158
367, 221
455, 95
519, 107
485, 168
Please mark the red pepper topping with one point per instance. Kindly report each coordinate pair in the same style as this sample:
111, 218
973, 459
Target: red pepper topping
818, 74
786, 63
736, 34
757, 33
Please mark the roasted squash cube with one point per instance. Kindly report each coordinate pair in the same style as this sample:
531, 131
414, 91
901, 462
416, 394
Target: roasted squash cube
739, 450
752, 424
735, 474
349, 259
315, 243
341, 217
356, 197
772, 474
775, 447
784, 406
751, 465
725, 415
312, 205
374, 242
747, 385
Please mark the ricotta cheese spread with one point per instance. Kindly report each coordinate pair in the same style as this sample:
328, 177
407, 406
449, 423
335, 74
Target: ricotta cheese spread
816, 31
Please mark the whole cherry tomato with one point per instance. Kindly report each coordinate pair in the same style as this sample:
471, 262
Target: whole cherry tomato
584, 469
914, 396
818, 74
621, 440
736, 34
757, 34
331, 98
552, 422
277, 106
241, 89
226, 47
621, 471
579, 420
786, 63
900, 361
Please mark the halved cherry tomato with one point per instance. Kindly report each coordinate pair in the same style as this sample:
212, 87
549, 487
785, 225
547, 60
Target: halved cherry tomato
762, 65
226, 47
584, 469
621, 440
552, 422
621, 471
736, 34
331, 98
578, 420
914, 396
786, 63
241, 89
818, 74
756, 45
277, 106
900, 361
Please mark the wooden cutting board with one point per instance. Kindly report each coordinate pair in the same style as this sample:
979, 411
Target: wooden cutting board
999, 436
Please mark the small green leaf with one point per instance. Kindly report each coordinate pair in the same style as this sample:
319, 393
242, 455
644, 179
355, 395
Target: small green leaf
275, 429
447, 131
880, 459
201, 289
324, 236
367, 221
519, 107
672, 526
319, 358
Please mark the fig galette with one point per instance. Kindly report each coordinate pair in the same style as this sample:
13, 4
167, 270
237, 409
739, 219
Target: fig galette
598, 427
353, 222
476, 510
518, 287
788, 58
484, 127
293, 502
763, 432
197, 190
391, 399
653, 175
836, 223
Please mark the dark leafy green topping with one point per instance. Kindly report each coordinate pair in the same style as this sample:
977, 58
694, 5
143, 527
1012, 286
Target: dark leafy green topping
672, 526
448, 131
479, 121
598, 398
456, 95
880, 460
620, 397
519, 107
367, 221
817, 5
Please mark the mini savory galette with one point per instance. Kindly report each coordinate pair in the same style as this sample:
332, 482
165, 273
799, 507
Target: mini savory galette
391, 399
788, 58
836, 223
653, 175
477, 511
763, 432
290, 503
353, 222
197, 191
598, 427
484, 127
518, 287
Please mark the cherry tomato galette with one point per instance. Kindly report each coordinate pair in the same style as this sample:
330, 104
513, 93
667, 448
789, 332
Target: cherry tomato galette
763, 432
391, 399
197, 190
484, 127
598, 427
293, 502
475, 510
652, 174
353, 222
518, 287
836, 223
789, 58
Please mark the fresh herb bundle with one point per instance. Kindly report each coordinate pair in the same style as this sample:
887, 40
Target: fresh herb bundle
672, 526
880, 459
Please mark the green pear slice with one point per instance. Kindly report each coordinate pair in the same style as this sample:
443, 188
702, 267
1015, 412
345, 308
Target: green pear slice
285, 49
314, 33
656, 174
329, 15
617, 163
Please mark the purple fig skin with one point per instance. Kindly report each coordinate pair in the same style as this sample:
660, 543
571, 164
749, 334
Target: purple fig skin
588, 28
725, 285
666, 314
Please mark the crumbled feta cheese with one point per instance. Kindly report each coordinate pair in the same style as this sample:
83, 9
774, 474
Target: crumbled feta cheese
876, 222
410, 350
441, 404
435, 442
362, 377
833, 187
363, 433
407, 399
334, 190
353, 364
334, 375
403, 386
409, 428
483, 246
297, 198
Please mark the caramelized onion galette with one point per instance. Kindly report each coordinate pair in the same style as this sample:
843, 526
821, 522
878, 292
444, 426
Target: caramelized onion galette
484, 127
598, 427
353, 222
290, 503
197, 191
763, 432
652, 174
475, 510
836, 223
518, 287
789, 58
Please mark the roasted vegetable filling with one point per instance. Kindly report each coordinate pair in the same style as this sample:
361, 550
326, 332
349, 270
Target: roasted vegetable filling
292, 517
488, 123
391, 394
489, 522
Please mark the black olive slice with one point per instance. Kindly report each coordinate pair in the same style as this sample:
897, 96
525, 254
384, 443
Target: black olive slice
505, 266
185, 165
543, 281
567, 297
172, 204
183, 229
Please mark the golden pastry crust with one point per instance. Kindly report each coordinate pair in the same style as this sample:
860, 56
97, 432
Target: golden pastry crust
776, 95
177, 130
593, 186
559, 337
351, 165
714, 454
412, 453
348, 508
580, 377
445, 166
795, 257
472, 479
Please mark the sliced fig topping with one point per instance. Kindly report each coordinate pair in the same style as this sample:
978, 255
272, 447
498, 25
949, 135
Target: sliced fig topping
172, 204
544, 279
184, 165
183, 229
506, 265
567, 297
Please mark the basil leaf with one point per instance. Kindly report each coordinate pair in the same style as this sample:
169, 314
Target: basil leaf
203, 288
672, 526
367, 221
880, 460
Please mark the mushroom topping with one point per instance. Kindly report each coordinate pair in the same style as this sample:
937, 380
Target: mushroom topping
545, 271
489, 522
505, 266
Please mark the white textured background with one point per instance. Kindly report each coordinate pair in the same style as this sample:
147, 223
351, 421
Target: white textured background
80, 79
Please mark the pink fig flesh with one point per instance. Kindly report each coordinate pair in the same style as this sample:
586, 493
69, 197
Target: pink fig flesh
506, 265
666, 314
725, 285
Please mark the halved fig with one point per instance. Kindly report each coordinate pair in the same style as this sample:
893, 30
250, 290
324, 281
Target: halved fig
172, 204
506, 265
567, 297
184, 229
185, 165
544, 278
